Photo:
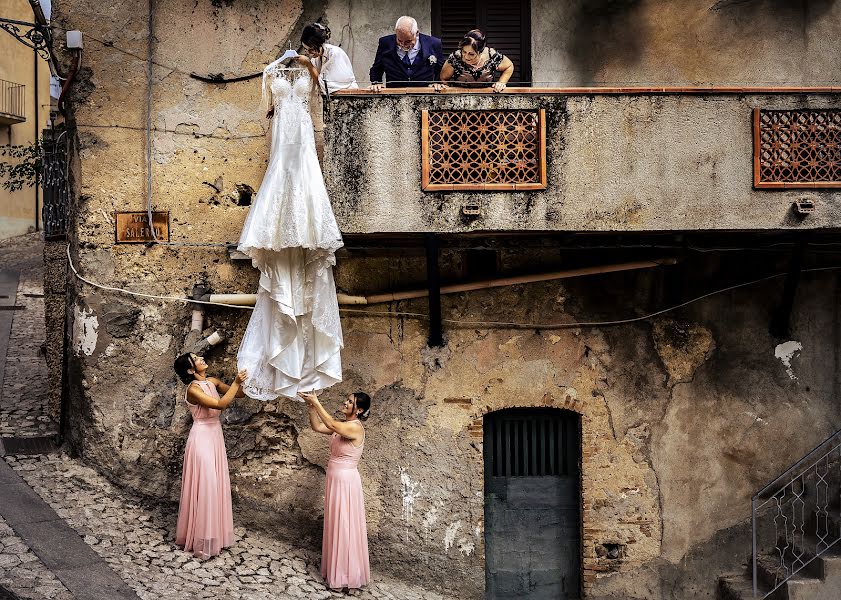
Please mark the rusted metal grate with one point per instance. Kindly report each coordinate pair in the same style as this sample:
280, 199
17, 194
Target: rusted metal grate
796, 148
490, 150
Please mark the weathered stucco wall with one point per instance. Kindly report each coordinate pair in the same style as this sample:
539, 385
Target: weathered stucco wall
639, 42
357, 27
683, 417
614, 163
717, 42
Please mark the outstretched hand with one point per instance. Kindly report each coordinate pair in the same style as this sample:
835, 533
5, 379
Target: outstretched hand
241, 377
309, 397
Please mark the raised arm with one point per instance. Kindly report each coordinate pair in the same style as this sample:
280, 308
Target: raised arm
351, 430
224, 387
315, 422
196, 396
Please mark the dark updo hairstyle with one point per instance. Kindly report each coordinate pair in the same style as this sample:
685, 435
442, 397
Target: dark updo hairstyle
182, 367
315, 35
475, 39
363, 401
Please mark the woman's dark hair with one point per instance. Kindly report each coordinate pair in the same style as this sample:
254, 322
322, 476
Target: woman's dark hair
315, 35
363, 402
182, 367
475, 39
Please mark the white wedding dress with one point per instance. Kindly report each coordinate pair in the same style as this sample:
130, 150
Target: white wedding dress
293, 341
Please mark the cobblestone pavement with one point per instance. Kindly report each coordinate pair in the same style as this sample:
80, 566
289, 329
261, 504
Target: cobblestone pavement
136, 541
22, 573
23, 397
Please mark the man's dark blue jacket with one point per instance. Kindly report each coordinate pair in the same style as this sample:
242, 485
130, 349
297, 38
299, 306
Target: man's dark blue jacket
424, 70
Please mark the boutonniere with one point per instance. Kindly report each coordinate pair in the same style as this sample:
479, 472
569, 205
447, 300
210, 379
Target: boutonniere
433, 59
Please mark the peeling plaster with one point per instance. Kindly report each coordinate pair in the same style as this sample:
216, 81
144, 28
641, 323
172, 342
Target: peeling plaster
410, 492
430, 518
785, 352
466, 546
85, 327
450, 535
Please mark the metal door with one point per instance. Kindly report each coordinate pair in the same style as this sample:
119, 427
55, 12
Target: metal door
532, 504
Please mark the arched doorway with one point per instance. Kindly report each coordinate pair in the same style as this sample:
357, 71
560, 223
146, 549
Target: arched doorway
532, 504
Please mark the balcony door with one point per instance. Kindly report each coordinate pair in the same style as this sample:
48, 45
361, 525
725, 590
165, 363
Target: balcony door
505, 23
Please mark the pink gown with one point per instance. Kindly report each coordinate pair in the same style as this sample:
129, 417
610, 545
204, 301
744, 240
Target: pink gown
344, 547
205, 518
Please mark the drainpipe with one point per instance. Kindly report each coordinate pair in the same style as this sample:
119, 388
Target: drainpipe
344, 299
37, 137
194, 342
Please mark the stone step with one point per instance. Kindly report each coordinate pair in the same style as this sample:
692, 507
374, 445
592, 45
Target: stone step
820, 580
735, 586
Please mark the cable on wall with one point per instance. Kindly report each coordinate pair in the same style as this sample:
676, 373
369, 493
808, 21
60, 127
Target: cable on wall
461, 322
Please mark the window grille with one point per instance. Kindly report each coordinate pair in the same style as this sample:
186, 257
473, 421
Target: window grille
56, 208
531, 443
796, 148
486, 150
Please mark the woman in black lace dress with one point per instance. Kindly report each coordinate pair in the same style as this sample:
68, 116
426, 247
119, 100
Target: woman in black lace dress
476, 65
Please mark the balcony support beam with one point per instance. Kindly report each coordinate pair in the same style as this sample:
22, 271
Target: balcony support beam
433, 278
781, 321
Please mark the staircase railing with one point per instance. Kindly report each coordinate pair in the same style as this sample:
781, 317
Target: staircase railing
797, 509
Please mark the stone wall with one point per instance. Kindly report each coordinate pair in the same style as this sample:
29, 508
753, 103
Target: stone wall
706, 42
683, 417
632, 42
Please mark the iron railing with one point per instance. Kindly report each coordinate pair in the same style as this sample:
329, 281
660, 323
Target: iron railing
55, 185
12, 101
795, 518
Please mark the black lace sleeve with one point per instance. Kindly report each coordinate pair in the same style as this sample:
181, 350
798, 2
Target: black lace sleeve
456, 63
495, 60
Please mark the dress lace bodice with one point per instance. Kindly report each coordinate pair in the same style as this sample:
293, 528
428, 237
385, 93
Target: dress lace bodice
294, 337
287, 83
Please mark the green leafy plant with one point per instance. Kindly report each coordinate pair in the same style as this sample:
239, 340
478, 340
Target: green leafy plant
23, 167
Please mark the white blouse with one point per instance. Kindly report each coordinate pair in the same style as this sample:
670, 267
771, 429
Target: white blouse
336, 72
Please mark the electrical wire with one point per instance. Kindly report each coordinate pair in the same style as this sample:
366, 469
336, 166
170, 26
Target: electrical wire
173, 131
461, 322
536, 84
141, 294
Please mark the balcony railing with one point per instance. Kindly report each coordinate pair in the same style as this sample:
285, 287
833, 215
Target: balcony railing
12, 102
599, 159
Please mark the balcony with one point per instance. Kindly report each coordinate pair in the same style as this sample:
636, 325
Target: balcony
584, 159
12, 103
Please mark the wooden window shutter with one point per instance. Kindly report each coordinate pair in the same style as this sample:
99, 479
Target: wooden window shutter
506, 24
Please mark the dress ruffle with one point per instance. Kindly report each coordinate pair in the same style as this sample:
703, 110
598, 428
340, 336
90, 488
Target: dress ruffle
293, 341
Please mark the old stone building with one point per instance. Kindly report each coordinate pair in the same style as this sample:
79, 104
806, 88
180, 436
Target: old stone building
546, 431
24, 112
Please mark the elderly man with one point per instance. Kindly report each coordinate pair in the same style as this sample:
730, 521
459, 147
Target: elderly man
408, 58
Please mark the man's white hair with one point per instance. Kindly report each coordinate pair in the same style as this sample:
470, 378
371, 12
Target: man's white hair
405, 22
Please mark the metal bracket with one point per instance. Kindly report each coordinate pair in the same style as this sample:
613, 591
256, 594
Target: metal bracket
34, 35
803, 206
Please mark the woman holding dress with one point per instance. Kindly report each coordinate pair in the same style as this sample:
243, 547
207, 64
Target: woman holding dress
205, 518
331, 62
344, 547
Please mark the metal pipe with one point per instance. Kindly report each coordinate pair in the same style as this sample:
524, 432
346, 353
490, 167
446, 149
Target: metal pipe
433, 291
37, 137
251, 299
482, 285
753, 544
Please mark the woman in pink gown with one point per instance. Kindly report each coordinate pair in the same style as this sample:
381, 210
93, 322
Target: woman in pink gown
205, 519
344, 546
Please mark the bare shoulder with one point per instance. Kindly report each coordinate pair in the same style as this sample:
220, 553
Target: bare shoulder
191, 389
